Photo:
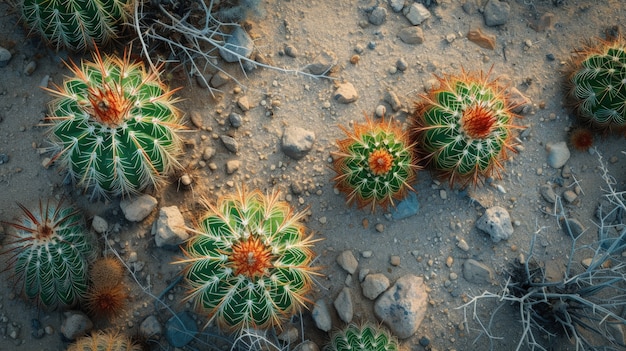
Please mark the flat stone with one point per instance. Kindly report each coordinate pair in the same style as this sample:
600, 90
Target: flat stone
416, 13
99, 224
411, 35
75, 324
558, 154
396, 5
496, 13
476, 272
403, 306
232, 166
238, 45
485, 41
170, 229
235, 120
343, 305
409, 206
547, 192
519, 101
345, 93
150, 327
497, 223
219, 79
374, 285
323, 63
347, 261
546, 21
297, 142
321, 315
230, 143
180, 329
138, 208
378, 16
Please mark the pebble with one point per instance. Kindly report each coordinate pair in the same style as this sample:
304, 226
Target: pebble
450, 38
573, 227
150, 327
291, 51
297, 142
416, 13
75, 324
4, 158
396, 5
462, 244
496, 13
411, 35
570, 196
485, 41
476, 272
307, 345
220, 79
374, 284
497, 223
344, 306
137, 209
99, 224
180, 329
403, 306
196, 119
379, 227
402, 65
378, 16
547, 192
321, 315
449, 261
186, 179
380, 111
232, 166
394, 260
347, 261
345, 93
230, 143
323, 63
169, 229
30, 67
238, 45
558, 154
5, 57
392, 99
289, 335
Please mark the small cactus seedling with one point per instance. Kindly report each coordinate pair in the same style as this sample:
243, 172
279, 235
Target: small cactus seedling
375, 164
114, 127
75, 24
107, 293
364, 338
597, 85
464, 126
248, 263
50, 251
104, 341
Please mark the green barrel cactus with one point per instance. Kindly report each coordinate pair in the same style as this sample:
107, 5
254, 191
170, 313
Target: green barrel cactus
375, 164
248, 263
114, 127
104, 341
362, 338
76, 24
597, 85
463, 128
49, 252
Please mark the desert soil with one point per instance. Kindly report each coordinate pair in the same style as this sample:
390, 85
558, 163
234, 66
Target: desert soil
425, 243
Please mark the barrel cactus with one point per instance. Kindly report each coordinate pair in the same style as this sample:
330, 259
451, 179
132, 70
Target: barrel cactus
50, 250
76, 24
248, 262
597, 84
463, 127
114, 127
101, 341
362, 338
375, 164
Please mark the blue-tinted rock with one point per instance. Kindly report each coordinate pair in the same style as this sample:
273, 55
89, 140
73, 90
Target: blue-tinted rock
180, 329
407, 207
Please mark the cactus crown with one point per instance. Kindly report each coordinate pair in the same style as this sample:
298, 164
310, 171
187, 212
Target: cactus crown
114, 126
364, 338
597, 84
248, 263
75, 24
100, 341
375, 164
50, 251
463, 127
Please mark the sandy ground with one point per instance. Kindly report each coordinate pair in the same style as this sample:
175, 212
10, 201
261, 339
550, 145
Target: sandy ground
423, 242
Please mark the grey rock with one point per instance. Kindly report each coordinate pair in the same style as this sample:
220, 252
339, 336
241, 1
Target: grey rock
347, 261
289, 335
170, 229
380, 111
150, 327
230, 143
396, 5
547, 192
401, 65
497, 223
181, 329
416, 13
235, 120
520, 102
99, 224
411, 35
476, 272
297, 142
374, 285
307, 345
232, 166
469, 7
344, 306
291, 51
392, 99
378, 16
345, 93
409, 206
5, 57
219, 79
558, 154
75, 324
321, 315
403, 306
323, 63
496, 13
30, 68
138, 208
238, 44
573, 227
203, 80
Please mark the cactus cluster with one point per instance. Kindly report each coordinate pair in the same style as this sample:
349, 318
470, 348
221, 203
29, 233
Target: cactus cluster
75, 24
114, 127
104, 341
597, 85
463, 127
50, 250
367, 337
248, 262
375, 164
107, 292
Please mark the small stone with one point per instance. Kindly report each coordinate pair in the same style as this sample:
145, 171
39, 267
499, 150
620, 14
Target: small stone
196, 119
424, 341
379, 227
345, 93
321, 315
569, 196
186, 179
378, 16
238, 45
392, 99
180, 329
476, 272
243, 103
137, 209
546, 21
403, 306
170, 229
573, 227
547, 192
150, 328
289, 334
232, 166
347, 261
230, 143
401, 65
291, 51
485, 41
587, 262
411, 35
208, 153
497, 223
449, 261
416, 13
297, 142
450, 38
344, 306
5, 57
235, 119
30, 67
374, 285
307, 345
462, 244
408, 207
380, 111
558, 154
4, 158
496, 13
219, 79
75, 324
366, 254
99, 224
323, 63
394, 260
396, 5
